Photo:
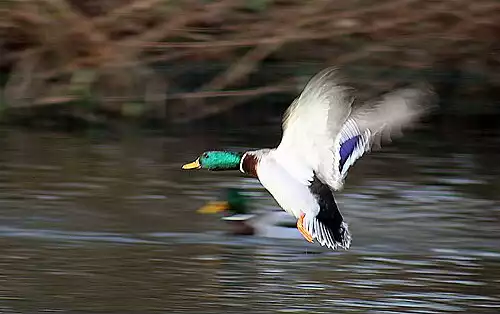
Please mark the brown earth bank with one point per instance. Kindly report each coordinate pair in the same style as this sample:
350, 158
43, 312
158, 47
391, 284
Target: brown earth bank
189, 61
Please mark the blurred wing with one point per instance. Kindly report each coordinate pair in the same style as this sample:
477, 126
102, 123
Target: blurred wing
310, 127
377, 121
324, 135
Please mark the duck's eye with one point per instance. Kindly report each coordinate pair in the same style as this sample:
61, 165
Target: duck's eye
205, 155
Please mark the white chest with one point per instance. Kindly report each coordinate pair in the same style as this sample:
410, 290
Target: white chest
293, 196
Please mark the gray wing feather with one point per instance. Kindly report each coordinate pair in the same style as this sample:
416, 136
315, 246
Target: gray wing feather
383, 119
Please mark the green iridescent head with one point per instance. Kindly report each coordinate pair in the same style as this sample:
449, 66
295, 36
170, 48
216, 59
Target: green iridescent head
216, 160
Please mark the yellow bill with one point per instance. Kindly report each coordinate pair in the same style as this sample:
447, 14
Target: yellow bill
193, 165
213, 208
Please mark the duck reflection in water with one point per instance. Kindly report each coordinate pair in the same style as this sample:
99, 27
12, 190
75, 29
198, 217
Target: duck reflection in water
243, 221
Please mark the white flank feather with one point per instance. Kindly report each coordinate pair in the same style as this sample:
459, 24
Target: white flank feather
292, 195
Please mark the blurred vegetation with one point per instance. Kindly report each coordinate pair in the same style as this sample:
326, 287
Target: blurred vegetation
182, 60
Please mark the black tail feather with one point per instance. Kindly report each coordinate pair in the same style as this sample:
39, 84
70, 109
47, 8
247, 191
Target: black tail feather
328, 226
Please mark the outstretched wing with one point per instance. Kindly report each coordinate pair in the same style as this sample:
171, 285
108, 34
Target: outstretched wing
378, 120
310, 126
325, 135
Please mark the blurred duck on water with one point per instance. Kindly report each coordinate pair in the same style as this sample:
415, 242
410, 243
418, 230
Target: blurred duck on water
325, 130
245, 220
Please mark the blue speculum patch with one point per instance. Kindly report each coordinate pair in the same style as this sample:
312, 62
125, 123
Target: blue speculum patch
346, 150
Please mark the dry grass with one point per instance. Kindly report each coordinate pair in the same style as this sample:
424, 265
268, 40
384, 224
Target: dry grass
101, 51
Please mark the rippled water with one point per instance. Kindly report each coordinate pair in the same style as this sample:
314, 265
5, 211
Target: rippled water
108, 225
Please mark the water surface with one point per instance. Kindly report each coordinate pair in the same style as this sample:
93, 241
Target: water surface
109, 225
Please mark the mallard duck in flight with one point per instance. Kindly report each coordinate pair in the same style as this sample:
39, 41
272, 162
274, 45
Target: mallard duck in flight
324, 133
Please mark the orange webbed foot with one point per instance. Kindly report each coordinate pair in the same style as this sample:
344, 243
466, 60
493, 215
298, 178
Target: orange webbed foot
303, 230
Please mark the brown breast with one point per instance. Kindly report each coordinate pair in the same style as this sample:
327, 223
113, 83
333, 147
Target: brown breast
249, 164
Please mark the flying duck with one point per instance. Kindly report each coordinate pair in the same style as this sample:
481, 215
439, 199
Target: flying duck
325, 130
